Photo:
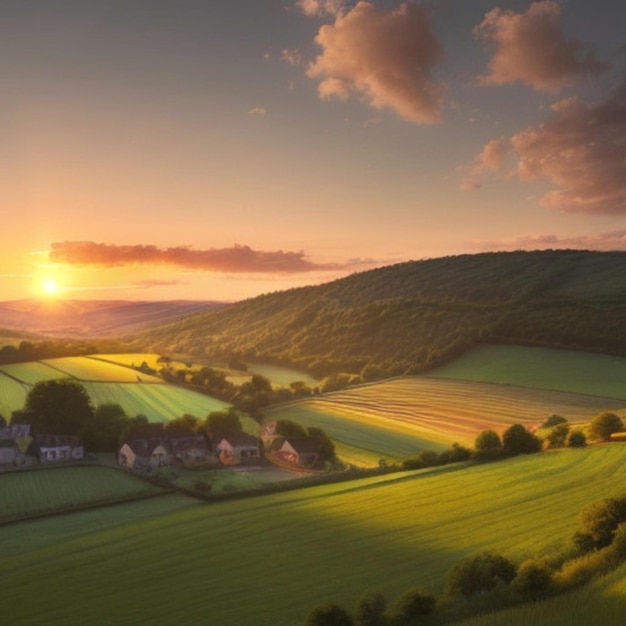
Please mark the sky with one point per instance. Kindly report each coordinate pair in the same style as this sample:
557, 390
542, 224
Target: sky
220, 149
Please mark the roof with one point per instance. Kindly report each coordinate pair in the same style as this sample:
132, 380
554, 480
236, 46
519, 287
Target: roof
240, 440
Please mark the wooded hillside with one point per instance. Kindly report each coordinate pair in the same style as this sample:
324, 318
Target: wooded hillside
412, 316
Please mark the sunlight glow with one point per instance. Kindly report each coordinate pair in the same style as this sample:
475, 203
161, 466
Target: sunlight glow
50, 287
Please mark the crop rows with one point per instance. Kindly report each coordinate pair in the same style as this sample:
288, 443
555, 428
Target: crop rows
396, 418
87, 369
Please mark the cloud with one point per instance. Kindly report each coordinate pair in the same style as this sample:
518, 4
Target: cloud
386, 56
314, 8
580, 148
531, 48
235, 259
614, 240
257, 111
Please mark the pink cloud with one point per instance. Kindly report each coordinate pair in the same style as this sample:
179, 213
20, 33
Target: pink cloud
531, 48
314, 8
580, 149
615, 240
235, 259
386, 56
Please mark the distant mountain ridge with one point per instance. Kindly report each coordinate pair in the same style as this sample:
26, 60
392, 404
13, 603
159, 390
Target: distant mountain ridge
408, 317
94, 318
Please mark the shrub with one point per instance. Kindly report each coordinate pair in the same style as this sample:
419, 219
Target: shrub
604, 425
601, 519
577, 439
534, 579
479, 573
558, 436
455, 454
411, 606
517, 439
329, 615
488, 445
370, 610
553, 420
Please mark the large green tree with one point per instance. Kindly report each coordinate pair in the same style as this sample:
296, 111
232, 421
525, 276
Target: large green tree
59, 407
605, 424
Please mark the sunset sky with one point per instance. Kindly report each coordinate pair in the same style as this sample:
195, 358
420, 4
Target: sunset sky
219, 149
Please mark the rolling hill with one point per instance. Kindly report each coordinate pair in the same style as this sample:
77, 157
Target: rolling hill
410, 317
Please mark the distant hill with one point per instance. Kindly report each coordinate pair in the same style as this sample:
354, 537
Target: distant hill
409, 317
92, 318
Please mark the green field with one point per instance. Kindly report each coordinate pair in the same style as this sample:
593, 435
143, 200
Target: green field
34, 492
397, 418
279, 375
96, 370
269, 560
105, 381
12, 395
157, 402
543, 368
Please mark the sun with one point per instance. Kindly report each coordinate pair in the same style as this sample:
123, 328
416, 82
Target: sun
50, 287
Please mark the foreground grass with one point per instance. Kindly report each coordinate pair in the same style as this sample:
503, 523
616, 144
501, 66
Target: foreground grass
269, 560
396, 419
542, 368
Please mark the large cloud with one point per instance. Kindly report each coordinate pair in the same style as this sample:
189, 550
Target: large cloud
386, 56
581, 149
235, 259
531, 48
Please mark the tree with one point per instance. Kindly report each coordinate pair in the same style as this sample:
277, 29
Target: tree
479, 573
577, 439
186, 422
327, 447
370, 610
553, 420
288, 428
604, 425
329, 615
558, 435
411, 606
534, 579
601, 519
488, 445
517, 439
109, 421
60, 407
222, 423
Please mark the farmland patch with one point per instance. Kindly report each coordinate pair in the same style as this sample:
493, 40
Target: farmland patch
542, 368
12, 395
90, 369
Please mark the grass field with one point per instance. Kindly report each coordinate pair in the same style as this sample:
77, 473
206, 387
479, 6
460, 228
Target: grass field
279, 375
397, 418
96, 370
31, 373
12, 395
157, 402
542, 368
268, 560
34, 492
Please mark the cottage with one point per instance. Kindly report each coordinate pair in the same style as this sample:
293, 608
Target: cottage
59, 448
302, 452
238, 448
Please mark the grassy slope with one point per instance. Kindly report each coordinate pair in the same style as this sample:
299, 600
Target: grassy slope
411, 316
541, 368
268, 560
396, 419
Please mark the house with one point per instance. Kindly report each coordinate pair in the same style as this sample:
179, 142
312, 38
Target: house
8, 452
238, 448
59, 448
155, 446
302, 452
14, 444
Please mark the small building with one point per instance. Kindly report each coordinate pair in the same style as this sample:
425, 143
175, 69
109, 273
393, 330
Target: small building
302, 452
238, 448
59, 448
8, 452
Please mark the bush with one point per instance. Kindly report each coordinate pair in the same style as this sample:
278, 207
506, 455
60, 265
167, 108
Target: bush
601, 519
518, 440
370, 610
329, 615
577, 439
479, 573
558, 436
534, 579
411, 606
604, 425
553, 420
488, 445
